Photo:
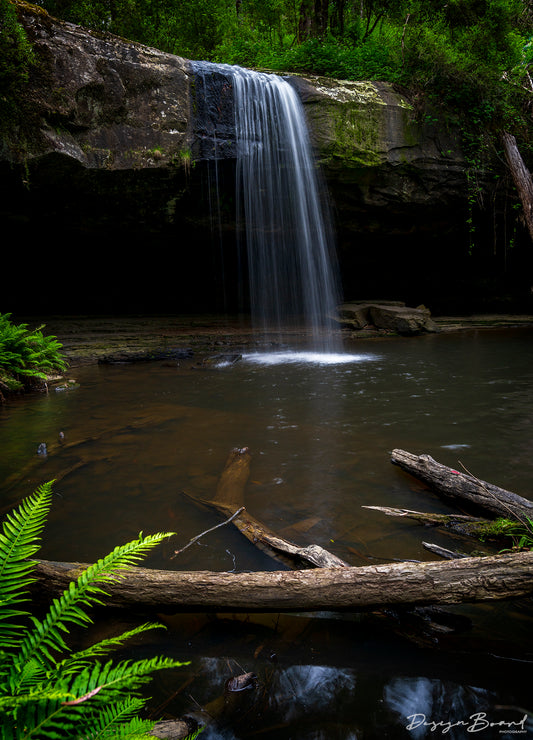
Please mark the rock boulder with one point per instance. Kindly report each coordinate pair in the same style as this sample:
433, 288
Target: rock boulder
390, 316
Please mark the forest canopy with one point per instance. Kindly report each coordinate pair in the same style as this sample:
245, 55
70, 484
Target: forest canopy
472, 55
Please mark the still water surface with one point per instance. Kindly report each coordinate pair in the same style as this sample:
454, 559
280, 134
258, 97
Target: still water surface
142, 441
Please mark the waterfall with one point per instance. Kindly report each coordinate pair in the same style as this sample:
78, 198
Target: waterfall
291, 262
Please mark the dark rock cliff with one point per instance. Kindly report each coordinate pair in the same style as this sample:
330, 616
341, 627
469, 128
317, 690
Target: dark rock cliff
110, 188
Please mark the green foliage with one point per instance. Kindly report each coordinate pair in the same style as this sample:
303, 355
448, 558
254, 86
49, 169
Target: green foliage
27, 354
47, 691
464, 53
16, 58
520, 532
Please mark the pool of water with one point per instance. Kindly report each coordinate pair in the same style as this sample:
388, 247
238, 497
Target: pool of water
134, 447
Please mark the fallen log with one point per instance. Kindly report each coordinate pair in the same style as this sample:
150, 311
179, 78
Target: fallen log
229, 497
464, 487
371, 587
457, 523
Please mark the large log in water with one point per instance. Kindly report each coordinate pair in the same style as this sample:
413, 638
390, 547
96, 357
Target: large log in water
464, 487
370, 587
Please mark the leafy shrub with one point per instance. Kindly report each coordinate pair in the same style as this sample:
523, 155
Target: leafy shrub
46, 691
26, 355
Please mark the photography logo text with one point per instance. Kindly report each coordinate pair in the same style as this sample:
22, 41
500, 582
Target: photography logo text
474, 723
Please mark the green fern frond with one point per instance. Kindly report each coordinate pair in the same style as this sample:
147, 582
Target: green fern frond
46, 720
39, 694
77, 661
94, 699
21, 532
19, 541
110, 677
45, 694
83, 593
120, 720
125, 556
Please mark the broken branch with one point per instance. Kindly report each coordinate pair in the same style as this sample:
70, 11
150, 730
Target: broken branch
199, 536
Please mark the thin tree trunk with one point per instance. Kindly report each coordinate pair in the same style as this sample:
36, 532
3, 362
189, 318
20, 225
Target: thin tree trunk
521, 177
468, 580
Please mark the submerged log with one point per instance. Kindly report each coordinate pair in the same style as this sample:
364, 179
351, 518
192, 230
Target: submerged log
443, 551
229, 497
463, 487
468, 580
458, 523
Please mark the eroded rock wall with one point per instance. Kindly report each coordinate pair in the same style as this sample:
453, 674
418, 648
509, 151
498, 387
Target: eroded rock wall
112, 164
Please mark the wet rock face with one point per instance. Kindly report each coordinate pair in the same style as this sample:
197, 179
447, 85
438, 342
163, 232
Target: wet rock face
102, 102
365, 123
116, 163
111, 104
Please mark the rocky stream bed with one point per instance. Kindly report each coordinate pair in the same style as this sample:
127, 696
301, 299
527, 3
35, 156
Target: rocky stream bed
91, 339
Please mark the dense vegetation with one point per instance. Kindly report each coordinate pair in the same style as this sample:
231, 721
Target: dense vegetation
27, 356
15, 52
472, 55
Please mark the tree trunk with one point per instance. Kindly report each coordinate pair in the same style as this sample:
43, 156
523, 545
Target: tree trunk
321, 17
364, 588
521, 178
463, 487
305, 22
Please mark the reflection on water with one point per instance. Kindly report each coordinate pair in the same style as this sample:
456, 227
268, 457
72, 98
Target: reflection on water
133, 447
430, 706
330, 678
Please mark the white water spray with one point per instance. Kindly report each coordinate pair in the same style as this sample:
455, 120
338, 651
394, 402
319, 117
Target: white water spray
291, 260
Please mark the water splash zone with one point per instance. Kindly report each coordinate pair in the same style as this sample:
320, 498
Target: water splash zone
313, 358
281, 210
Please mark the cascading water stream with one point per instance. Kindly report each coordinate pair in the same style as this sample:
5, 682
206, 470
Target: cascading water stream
292, 271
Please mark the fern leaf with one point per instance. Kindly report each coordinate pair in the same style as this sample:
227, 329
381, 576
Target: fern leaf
19, 541
125, 674
77, 661
21, 531
98, 698
121, 720
70, 607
